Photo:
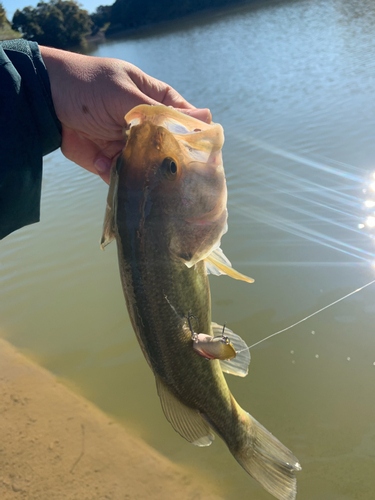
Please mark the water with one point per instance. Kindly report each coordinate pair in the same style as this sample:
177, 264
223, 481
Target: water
293, 84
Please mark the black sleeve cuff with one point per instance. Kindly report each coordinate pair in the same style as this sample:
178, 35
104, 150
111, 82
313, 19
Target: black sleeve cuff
29, 129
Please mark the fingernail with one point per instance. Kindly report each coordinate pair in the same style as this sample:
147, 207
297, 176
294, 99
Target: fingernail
102, 166
201, 114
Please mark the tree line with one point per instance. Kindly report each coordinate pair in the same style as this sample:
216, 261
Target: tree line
130, 14
56, 23
6, 32
63, 23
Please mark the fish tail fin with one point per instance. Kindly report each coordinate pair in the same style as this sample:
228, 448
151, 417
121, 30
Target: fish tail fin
267, 460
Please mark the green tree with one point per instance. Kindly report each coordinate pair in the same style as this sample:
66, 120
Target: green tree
101, 17
58, 23
3, 17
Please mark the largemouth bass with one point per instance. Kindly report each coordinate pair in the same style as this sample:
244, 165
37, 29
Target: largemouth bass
166, 208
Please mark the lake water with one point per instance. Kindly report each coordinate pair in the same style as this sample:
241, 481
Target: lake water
293, 84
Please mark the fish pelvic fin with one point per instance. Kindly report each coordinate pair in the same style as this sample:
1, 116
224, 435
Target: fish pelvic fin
109, 218
186, 421
217, 263
267, 460
239, 365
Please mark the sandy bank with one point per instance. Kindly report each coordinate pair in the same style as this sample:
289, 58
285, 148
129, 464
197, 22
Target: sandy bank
54, 445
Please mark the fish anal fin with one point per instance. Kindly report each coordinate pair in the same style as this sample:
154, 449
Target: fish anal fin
217, 263
186, 421
240, 364
109, 218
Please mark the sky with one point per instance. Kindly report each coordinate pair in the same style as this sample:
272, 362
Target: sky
11, 6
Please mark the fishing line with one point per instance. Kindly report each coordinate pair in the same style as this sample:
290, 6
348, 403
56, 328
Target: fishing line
307, 317
173, 309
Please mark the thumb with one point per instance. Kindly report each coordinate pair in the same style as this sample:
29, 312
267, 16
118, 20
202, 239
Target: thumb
103, 166
89, 155
203, 115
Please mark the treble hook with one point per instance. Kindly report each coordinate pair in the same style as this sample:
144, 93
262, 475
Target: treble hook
188, 317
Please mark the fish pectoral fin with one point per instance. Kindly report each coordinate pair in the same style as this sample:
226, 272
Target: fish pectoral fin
240, 364
109, 218
217, 263
108, 231
186, 421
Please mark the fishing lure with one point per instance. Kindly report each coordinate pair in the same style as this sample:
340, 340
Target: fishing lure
229, 349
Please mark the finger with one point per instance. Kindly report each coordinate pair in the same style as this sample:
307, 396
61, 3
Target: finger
89, 155
106, 176
153, 91
103, 165
159, 91
79, 149
203, 115
172, 98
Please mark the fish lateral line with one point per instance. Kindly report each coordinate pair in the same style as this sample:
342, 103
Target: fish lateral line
308, 317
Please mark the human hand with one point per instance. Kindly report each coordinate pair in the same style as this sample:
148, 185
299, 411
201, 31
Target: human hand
92, 95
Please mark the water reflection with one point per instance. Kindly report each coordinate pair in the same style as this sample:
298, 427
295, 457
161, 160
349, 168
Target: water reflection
293, 85
314, 209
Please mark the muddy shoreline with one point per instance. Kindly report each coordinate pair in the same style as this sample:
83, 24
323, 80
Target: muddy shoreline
55, 445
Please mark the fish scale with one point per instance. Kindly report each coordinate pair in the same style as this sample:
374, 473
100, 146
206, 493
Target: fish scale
163, 245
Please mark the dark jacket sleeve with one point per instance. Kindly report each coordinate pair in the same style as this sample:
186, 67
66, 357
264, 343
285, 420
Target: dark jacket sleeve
29, 129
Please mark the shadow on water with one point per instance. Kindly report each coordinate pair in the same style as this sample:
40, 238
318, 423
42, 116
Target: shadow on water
185, 24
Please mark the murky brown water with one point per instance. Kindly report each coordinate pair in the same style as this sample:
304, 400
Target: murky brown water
293, 84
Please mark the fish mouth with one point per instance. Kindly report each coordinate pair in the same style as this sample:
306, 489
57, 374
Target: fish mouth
168, 117
201, 142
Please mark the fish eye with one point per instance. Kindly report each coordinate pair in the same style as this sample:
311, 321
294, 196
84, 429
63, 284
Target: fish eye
173, 168
169, 168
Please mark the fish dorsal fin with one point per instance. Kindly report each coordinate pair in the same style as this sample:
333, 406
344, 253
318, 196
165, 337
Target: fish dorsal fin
186, 421
217, 263
240, 364
109, 218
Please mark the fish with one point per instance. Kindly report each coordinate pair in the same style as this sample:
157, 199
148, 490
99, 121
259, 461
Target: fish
167, 210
